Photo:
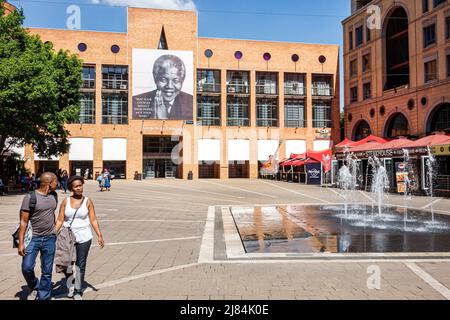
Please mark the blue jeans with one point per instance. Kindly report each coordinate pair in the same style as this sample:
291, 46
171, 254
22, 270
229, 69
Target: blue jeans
46, 246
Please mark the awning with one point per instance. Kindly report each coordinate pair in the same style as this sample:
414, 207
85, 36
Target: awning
114, 149
238, 150
370, 138
437, 139
344, 143
294, 146
208, 150
81, 149
368, 146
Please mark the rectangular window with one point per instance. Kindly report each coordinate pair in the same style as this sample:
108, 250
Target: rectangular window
294, 84
208, 81
438, 2
88, 77
267, 112
447, 28
366, 63
294, 113
424, 6
448, 66
367, 90
266, 83
322, 85
238, 111
359, 36
208, 110
87, 111
353, 68
115, 108
350, 40
430, 71
238, 82
429, 35
353, 94
114, 77
321, 114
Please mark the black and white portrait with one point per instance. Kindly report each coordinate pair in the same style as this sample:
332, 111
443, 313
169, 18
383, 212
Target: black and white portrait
162, 84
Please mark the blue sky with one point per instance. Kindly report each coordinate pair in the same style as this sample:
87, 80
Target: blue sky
311, 21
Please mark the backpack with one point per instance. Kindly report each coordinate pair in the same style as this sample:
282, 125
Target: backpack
29, 231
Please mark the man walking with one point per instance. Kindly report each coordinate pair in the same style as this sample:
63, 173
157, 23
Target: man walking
41, 215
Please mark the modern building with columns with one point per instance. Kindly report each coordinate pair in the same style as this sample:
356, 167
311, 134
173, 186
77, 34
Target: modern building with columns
241, 100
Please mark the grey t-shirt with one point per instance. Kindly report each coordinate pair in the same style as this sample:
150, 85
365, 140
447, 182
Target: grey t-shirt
43, 218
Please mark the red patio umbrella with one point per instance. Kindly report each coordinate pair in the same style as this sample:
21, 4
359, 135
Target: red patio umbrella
432, 140
370, 138
344, 143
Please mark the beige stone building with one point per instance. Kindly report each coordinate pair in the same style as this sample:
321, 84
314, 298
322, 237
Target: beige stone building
397, 68
250, 99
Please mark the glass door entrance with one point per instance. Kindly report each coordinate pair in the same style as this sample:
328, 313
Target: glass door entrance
159, 168
157, 157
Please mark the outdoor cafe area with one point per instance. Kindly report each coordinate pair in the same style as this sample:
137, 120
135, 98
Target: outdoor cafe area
402, 158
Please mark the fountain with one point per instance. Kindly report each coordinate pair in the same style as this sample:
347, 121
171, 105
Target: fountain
380, 182
407, 183
347, 179
431, 166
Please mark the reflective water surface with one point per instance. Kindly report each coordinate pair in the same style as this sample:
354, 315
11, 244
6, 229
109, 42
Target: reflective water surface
326, 228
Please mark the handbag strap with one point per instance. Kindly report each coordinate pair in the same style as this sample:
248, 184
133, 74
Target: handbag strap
73, 218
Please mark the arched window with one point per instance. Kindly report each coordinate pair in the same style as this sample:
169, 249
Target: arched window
397, 126
361, 131
439, 119
397, 49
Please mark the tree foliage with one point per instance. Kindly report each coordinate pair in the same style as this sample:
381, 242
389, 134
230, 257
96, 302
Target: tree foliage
39, 89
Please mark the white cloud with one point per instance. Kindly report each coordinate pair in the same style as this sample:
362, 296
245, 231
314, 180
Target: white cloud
158, 4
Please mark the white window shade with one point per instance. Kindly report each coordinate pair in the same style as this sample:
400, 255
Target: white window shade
238, 150
267, 148
295, 146
81, 149
114, 149
320, 145
208, 150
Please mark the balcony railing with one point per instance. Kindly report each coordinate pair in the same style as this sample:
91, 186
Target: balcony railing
266, 89
288, 123
321, 123
322, 91
210, 121
238, 122
208, 87
88, 84
294, 90
238, 88
266, 122
114, 119
85, 119
115, 84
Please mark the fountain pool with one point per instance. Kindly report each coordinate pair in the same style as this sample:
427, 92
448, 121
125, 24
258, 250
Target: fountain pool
327, 228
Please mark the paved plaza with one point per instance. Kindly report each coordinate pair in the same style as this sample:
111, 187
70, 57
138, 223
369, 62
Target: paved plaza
167, 239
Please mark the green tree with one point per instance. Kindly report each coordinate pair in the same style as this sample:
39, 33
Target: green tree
342, 125
39, 89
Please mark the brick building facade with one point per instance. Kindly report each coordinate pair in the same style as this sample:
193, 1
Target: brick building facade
397, 77
250, 99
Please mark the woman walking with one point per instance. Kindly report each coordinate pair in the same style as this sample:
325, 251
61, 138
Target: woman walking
107, 180
64, 178
78, 213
